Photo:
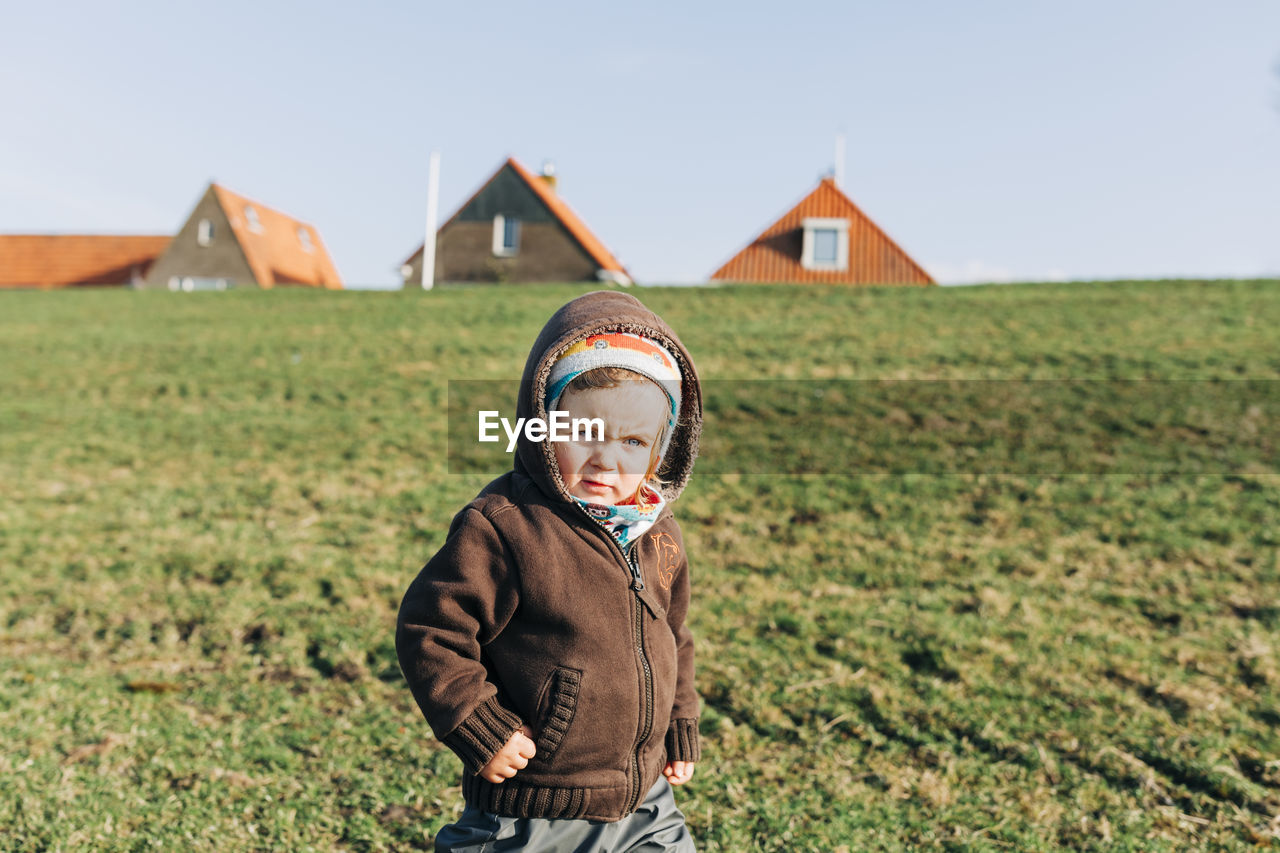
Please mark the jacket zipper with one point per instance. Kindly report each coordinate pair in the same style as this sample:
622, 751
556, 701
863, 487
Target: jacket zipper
646, 726
637, 622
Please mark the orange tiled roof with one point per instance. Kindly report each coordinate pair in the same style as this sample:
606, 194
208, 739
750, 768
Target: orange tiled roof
274, 247
64, 260
559, 208
562, 211
774, 256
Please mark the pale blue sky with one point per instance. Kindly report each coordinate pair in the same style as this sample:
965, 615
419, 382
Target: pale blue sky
992, 140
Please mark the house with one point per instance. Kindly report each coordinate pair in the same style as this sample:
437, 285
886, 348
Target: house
233, 241
824, 238
72, 260
516, 228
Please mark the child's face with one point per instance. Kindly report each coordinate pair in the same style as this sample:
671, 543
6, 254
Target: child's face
610, 471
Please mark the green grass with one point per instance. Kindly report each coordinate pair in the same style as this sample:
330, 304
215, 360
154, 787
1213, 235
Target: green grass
212, 504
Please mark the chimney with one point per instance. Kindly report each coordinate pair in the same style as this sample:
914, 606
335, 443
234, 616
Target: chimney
548, 175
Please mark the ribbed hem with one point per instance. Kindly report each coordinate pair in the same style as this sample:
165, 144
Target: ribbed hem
513, 799
478, 738
682, 741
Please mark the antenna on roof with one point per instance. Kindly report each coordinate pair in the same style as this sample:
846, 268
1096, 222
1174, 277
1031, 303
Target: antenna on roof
839, 166
429, 241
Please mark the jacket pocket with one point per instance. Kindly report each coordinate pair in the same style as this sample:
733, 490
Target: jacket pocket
556, 706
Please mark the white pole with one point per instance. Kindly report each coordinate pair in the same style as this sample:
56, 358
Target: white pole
839, 168
429, 243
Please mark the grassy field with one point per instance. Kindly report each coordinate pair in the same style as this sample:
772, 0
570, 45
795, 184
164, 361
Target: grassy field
212, 504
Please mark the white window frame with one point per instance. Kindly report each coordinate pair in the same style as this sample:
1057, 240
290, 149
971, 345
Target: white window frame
192, 284
204, 232
814, 224
500, 248
251, 217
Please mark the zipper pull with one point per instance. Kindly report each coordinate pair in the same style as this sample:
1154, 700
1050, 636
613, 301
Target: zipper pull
637, 586
637, 582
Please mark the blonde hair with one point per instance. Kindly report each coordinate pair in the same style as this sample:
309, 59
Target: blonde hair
612, 377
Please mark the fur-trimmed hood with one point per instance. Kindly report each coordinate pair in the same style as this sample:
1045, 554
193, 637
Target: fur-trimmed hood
594, 313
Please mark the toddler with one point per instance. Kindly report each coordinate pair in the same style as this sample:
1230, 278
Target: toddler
546, 641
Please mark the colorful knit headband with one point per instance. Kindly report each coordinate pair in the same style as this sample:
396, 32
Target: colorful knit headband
619, 349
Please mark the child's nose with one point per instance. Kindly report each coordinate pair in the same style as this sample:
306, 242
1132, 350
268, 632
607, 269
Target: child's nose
602, 454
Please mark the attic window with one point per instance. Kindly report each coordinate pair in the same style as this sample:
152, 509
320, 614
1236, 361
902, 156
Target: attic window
251, 216
826, 245
204, 233
304, 237
506, 236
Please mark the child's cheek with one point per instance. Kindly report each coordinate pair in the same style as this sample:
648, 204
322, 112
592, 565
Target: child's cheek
564, 460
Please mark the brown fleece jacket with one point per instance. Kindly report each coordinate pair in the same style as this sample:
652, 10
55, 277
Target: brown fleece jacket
532, 615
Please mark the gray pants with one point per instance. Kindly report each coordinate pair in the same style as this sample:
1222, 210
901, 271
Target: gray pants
657, 825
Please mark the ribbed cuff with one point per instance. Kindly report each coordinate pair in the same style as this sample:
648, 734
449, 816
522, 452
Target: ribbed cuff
478, 738
682, 741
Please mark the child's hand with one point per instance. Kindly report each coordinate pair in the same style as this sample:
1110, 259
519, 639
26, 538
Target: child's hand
678, 772
512, 758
